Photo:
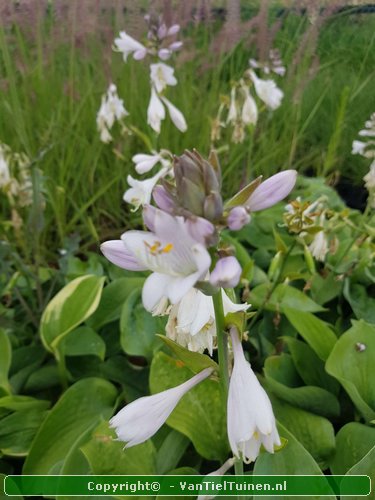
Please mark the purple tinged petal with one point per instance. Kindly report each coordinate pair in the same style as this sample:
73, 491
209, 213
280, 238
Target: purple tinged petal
163, 199
200, 229
115, 252
173, 30
272, 190
227, 273
149, 213
238, 218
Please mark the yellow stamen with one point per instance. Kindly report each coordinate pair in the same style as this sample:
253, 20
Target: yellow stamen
167, 248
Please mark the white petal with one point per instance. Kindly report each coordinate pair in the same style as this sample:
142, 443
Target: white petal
176, 116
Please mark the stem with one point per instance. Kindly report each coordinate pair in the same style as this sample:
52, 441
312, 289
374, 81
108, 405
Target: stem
238, 470
222, 345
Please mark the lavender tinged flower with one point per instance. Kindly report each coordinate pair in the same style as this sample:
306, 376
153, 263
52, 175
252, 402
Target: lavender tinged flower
139, 193
176, 259
144, 162
227, 273
142, 418
272, 190
163, 199
161, 76
238, 218
250, 422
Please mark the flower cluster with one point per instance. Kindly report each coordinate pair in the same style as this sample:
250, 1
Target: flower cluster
366, 148
273, 65
111, 110
189, 268
15, 179
242, 109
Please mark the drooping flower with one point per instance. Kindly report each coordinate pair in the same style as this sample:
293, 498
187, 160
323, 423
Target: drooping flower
177, 117
226, 273
267, 91
319, 246
249, 109
111, 109
272, 190
142, 418
161, 76
232, 114
155, 111
128, 45
144, 162
191, 321
358, 147
139, 193
250, 422
176, 259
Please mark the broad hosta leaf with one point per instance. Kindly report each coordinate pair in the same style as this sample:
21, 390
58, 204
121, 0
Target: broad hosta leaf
324, 289
76, 413
20, 403
139, 328
106, 455
352, 363
83, 341
283, 380
353, 442
199, 415
18, 430
283, 297
309, 366
359, 300
193, 360
365, 467
70, 307
112, 300
5, 359
315, 332
133, 379
25, 360
292, 459
315, 433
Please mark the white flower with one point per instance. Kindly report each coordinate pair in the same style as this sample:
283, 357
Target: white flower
267, 91
142, 418
232, 114
5, 177
140, 192
111, 109
219, 472
358, 147
249, 108
161, 76
176, 116
191, 321
250, 421
155, 111
144, 163
319, 246
369, 178
128, 45
176, 259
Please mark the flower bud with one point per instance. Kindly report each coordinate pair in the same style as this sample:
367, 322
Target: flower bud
201, 230
238, 218
272, 190
227, 273
163, 199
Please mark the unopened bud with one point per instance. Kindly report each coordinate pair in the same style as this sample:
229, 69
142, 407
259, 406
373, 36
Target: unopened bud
275, 266
163, 199
213, 206
227, 273
201, 230
238, 218
309, 260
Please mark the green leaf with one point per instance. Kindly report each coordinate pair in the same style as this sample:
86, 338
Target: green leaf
193, 360
133, 379
20, 403
171, 451
112, 300
324, 289
242, 196
365, 467
83, 341
200, 414
2, 494
314, 432
70, 307
362, 304
18, 430
5, 360
315, 332
106, 455
139, 328
353, 442
309, 366
351, 362
283, 380
292, 459
76, 413
283, 297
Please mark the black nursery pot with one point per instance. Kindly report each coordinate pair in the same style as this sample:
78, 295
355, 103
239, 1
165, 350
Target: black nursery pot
354, 196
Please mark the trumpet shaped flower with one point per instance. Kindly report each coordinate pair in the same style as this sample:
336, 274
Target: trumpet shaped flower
161, 76
144, 162
128, 45
111, 109
176, 260
250, 422
267, 91
142, 418
139, 193
155, 111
